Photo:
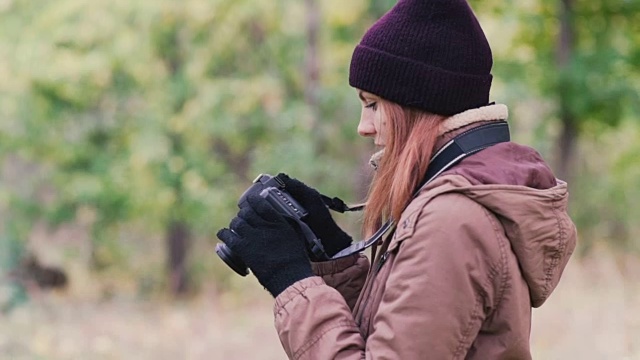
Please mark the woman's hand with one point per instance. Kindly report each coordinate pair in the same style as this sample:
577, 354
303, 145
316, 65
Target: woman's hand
269, 244
319, 219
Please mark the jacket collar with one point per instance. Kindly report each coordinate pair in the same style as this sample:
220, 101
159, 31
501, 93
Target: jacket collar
459, 123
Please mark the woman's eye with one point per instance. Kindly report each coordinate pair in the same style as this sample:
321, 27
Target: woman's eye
373, 105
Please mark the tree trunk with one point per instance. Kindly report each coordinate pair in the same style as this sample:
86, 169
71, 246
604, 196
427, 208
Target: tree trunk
178, 239
567, 141
312, 68
172, 51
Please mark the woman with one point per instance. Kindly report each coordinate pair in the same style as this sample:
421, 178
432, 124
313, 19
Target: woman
473, 250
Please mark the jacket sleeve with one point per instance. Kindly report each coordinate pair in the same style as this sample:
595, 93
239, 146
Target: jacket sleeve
314, 322
347, 275
444, 278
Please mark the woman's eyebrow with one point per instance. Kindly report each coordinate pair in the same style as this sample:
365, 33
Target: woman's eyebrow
361, 96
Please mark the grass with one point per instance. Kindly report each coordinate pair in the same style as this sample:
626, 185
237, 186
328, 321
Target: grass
594, 314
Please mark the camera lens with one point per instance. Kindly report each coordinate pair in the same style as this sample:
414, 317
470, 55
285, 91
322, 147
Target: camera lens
232, 260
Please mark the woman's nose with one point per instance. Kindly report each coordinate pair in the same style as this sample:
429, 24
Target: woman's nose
366, 127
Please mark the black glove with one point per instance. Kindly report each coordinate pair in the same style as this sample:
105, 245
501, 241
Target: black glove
269, 244
319, 219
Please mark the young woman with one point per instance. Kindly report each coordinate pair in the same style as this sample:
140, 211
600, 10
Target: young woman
472, 251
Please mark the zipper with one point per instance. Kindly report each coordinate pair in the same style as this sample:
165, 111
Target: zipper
368, 285
369, 288
383, 259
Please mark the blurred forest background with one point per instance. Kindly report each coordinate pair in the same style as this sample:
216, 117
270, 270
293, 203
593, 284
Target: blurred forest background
128, 129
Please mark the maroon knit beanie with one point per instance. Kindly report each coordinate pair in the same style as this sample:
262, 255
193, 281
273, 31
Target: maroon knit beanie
426, 54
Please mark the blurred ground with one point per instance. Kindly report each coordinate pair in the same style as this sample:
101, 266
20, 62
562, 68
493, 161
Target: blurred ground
594, 314
53, 327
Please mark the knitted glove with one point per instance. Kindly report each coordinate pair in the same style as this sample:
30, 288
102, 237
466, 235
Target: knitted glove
269, 244
319, 219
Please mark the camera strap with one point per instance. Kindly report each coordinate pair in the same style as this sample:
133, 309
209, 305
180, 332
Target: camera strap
463, 145
336, 204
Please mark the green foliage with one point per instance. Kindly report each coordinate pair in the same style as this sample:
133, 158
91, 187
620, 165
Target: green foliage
596, 86
599, 83
150, 113
142, 114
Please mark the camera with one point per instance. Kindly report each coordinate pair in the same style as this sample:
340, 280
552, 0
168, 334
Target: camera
272, 189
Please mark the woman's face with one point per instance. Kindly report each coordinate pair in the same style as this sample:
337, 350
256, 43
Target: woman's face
372, 123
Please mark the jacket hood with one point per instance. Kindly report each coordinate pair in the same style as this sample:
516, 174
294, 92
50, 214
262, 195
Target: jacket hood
538, 226
514, 183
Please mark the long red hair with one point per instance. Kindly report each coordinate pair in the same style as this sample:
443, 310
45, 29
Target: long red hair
410, 140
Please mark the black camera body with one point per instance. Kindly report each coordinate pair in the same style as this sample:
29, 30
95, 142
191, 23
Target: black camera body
272, 189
